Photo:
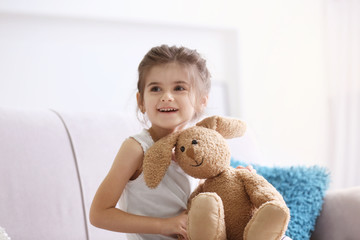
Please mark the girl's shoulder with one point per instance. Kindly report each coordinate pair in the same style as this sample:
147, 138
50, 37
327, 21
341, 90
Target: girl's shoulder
132, 147
144, 139
129, 157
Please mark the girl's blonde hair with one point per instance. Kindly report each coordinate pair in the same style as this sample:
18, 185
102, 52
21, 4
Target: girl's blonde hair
184, 56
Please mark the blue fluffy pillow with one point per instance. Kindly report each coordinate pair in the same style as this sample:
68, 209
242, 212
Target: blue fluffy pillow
303, 189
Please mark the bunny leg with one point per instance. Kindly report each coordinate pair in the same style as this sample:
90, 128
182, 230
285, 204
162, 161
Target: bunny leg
206, 218
268, 222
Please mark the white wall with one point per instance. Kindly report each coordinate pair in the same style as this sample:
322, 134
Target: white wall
91, 64
283, 85
274, 68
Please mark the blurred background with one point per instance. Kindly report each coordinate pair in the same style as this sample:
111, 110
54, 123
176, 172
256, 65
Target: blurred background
290, 69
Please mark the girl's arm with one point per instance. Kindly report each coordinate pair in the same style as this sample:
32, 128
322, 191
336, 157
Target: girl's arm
103, 211
249, 167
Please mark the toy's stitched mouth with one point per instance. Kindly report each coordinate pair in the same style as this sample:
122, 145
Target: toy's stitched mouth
198, 164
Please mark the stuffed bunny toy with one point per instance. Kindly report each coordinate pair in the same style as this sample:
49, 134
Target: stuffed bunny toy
231, 203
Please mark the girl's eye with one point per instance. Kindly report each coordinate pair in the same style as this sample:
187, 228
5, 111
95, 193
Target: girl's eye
179, 88
155, 89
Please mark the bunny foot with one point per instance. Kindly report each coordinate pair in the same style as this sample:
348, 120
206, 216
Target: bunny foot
206, 218
269, 222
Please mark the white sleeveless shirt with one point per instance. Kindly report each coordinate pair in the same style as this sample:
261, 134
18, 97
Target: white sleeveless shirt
168, 199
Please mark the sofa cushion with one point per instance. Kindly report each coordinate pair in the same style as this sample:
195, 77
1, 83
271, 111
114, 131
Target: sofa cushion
40, 192
96, 138
340, 215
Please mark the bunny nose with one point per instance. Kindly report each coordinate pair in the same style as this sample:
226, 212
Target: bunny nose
190, 153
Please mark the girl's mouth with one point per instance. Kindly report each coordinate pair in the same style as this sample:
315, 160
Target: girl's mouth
167, 110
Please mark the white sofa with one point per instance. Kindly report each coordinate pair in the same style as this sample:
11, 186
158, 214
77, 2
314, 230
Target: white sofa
51, 164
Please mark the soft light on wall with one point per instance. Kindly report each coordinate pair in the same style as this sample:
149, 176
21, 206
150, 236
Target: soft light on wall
274, 70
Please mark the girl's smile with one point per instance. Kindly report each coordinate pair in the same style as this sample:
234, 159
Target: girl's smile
167, 109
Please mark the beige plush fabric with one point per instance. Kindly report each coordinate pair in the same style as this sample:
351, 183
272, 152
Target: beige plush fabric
202, 152
206, 218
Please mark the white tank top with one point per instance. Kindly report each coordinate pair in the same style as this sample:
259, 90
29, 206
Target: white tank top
169, 199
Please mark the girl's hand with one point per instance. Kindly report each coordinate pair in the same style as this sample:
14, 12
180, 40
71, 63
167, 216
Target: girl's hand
249, 167
173, 155
176, 226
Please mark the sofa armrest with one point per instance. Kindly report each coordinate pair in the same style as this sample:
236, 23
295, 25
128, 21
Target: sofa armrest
339, 216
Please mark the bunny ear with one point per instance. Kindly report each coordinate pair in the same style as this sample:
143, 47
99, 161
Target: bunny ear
227, 127
157, 160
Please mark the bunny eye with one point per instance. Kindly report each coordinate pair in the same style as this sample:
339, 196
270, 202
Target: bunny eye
194, 142
182, 148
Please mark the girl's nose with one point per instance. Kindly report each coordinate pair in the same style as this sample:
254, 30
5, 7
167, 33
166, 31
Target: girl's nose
166, 97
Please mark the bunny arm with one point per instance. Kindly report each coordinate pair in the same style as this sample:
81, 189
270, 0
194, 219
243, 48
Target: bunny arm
199, 189
272, 216
258, 188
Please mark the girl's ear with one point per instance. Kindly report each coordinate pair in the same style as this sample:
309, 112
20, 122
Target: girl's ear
157, 159
227, 127
204, 102
140, 103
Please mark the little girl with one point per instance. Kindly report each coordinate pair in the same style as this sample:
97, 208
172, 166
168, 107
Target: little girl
173, 88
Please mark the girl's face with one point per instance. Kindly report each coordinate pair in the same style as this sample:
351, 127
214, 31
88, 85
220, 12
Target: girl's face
168, 97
